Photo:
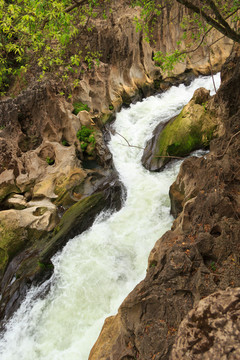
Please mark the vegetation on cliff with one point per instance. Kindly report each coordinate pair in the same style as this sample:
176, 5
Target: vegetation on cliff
48, 36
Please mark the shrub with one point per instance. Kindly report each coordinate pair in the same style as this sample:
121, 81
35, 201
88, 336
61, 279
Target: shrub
86, 136
84, 133
79, 106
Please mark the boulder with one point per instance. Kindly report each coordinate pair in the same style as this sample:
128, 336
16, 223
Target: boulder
192, 129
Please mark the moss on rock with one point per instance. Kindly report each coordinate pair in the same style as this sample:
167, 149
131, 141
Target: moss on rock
192, 129
76, 219
66, 184
12, 240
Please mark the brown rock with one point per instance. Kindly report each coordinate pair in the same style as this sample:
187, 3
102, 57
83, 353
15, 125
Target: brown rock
199, 256
211, 330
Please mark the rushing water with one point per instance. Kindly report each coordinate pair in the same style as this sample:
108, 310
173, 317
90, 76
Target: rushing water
97, 269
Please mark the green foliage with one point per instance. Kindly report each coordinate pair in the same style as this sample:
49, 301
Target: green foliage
49, 160
84, 133
37, 32
47, 35
86, 137
196, 24
79, 106
111, 107
150, 11
168, 61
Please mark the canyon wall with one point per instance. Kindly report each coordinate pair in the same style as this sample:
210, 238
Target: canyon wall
44, 170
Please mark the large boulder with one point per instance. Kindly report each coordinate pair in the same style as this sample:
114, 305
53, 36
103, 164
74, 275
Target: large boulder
192, 129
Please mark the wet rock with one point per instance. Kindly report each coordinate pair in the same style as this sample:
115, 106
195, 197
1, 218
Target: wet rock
192, 129
32, 264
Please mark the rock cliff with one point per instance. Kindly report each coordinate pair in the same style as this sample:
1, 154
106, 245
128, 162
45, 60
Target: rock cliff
196, 258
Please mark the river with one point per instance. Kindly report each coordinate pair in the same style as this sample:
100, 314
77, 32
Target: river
97, 269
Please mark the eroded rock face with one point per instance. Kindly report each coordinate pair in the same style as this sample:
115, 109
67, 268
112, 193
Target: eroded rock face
40, 155
211, 330
196, 258
26, 252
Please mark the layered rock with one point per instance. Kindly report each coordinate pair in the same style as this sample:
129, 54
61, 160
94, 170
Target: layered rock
197, 257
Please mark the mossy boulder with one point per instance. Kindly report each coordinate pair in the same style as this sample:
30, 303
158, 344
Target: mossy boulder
12, 240
78, 218
192, 129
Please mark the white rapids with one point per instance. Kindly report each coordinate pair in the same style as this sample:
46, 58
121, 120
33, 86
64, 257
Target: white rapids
97, 269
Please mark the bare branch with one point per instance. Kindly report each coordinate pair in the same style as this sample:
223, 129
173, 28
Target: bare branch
128, 144
139, 147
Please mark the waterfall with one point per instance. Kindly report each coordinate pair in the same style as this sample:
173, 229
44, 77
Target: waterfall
97, 269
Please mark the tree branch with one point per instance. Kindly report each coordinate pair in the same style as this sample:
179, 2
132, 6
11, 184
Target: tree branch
227, 31
76, 4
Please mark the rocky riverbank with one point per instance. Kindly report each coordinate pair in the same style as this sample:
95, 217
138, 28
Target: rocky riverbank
197, 257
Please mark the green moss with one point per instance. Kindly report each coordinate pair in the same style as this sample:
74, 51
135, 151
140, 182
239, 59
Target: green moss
190, 130
105, 118
3, 261
75, 220
12, 240
79, 106
64, 188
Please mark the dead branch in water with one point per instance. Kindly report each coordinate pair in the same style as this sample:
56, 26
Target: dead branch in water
139, 147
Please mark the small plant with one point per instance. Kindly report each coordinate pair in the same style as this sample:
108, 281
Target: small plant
79, 106
49, 160
213, 266
111, 107
86, 137
45, 266
65, 143
153, 264
204, 106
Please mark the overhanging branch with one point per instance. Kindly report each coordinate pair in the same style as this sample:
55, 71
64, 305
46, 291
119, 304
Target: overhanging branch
220, 26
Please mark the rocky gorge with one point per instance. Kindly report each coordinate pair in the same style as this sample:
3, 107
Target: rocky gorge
52, 188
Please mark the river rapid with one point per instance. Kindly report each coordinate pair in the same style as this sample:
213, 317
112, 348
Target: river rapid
97, 269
